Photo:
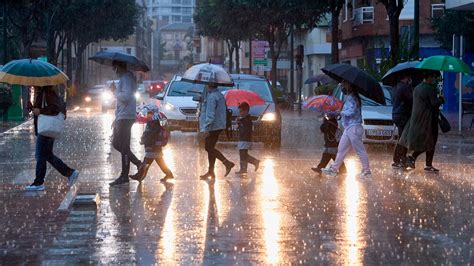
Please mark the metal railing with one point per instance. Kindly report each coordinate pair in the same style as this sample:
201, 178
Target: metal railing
363, 15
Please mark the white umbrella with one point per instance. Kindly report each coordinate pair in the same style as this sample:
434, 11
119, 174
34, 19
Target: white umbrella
208, 73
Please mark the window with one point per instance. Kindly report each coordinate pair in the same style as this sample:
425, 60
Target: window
176, 2
187, 10
187, 2
437, 10
176, 9
176, 18
187, 19
155, 9
165, 18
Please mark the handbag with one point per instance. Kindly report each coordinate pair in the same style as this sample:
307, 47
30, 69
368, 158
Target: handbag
444, 123
50, 125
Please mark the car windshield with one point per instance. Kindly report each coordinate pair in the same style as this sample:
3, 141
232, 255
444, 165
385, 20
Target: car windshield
387, 91
261, 87
182, 88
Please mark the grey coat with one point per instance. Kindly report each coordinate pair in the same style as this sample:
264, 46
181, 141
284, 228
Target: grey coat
126, 102
213, 115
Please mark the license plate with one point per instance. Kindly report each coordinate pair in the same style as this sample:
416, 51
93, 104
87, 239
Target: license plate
379, 132
191, 118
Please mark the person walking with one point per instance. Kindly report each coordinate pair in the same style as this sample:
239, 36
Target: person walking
125, 114
401, 112
245, 124
353, 131
421, 132
329, 128
154, 138
6, 100
48, 102
215, 118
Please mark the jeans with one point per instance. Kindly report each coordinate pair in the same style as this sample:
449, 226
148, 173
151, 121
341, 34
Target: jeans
352, 136
121, 142
245, 159
400, 153
327, 158
212, 152
44, 153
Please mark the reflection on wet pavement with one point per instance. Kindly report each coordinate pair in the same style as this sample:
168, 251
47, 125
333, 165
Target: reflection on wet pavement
283, 213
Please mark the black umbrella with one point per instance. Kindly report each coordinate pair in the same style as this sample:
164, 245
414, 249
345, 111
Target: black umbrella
107, 58
322, 78
367, 85
392, 76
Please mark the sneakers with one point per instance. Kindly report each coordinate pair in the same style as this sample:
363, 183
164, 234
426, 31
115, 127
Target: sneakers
431, 169
119, 181
411, 162
35, 187
71, 180
317, 170
329, 171
398, 165
364, 175
228, 167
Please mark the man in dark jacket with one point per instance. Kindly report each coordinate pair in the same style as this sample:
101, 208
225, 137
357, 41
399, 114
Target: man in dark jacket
401, 112
6, 100
47, 102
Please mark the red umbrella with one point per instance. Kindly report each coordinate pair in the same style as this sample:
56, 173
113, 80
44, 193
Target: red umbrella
323, 104
235, 97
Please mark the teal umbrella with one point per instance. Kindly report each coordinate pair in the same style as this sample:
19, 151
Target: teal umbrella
445, 63
32, 72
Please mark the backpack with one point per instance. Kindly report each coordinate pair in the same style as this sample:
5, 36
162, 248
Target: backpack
163, 137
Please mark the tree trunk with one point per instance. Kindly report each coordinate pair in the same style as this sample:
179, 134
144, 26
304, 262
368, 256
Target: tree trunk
335, 36
237, 57
394, 39
69, 59
230, 49
78, 74
273, 71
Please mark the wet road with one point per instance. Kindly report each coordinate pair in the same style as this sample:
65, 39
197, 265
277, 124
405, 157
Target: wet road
284, 213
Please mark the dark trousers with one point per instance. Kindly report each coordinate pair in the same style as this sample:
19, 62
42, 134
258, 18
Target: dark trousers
212, 152
161, 163
4, 110
327, 158
245, 159
44, 153
121, 142
429, 156
400, 153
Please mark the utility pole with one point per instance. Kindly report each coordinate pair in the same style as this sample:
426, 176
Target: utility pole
299, 69
416, 39
250, 57
292, 67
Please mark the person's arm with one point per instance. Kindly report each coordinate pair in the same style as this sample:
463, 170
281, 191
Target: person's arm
434, 99
125, 95
210, 111
349, 108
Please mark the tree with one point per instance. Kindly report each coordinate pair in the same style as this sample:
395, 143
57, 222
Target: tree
335, 7
454, 22
394, 8
276, 19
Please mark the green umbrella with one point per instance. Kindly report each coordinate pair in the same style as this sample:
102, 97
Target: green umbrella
32, 72
445, 63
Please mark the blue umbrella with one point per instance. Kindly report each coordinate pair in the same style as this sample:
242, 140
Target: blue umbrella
392, 76
107, 58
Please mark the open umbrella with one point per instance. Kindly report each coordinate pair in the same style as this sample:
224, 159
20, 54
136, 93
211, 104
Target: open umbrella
32, 72
208, 73
108, 57
321, 78
323, 104
235, 97
367, 85
392, 76
445, 63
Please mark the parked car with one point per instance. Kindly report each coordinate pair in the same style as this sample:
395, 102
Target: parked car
156, 87
100, 95
178, 105
266, 118
377, 119
282, 96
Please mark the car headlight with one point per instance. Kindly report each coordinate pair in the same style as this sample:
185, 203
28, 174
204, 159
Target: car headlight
169, 107
88, 99
137, 95
107, 96
269, 117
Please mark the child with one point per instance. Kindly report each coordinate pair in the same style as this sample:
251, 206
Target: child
329, 128
245, 139
152, 138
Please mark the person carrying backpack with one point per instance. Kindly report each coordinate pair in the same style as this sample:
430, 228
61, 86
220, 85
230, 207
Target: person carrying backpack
154, 138
6, 100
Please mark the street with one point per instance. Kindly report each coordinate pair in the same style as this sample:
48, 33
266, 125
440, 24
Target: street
283, 213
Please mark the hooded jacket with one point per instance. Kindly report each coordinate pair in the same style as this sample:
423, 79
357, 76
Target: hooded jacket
126, 103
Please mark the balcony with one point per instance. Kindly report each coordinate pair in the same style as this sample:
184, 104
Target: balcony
363, 15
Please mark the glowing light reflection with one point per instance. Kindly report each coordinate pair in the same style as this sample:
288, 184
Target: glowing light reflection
169, 233
271, 217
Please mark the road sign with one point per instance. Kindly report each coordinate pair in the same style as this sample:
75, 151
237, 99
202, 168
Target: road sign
260, 61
